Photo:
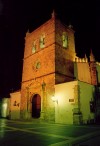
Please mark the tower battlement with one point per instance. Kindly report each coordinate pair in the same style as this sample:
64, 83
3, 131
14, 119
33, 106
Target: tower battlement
78, 59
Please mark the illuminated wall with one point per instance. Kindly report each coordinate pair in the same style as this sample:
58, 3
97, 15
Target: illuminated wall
73, 96
83, 72
15, 105
66, 101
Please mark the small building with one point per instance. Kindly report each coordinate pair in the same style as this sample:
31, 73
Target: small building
15, 99
5, 107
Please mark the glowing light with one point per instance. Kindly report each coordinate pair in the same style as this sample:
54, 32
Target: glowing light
4, 109
54, 99
4, 105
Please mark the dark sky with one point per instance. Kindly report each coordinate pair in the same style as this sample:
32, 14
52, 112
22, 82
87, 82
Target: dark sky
17, 16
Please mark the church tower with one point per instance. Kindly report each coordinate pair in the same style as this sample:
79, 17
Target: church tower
48, 60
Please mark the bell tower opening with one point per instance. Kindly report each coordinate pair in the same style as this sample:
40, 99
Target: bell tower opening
36, 106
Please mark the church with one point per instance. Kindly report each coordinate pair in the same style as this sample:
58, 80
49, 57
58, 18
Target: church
57, 86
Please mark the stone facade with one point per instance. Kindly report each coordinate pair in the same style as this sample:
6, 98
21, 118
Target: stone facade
47, 61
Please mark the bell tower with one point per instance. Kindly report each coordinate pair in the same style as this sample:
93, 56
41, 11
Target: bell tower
48, 60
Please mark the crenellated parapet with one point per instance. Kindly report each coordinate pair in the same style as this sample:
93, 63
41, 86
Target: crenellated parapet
78, 59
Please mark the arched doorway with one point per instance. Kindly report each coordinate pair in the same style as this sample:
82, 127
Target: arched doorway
36, 106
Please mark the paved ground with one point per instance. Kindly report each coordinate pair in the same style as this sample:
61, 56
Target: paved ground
36, 133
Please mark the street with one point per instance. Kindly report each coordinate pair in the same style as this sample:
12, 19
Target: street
37, 133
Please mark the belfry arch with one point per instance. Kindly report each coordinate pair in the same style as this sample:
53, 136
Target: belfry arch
36, 106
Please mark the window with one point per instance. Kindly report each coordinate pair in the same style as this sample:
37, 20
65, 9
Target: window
65, 40
38, 65
34, 47
92, 107
42, 41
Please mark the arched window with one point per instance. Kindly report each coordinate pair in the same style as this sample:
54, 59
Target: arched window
34, 47
42, 41
65, 39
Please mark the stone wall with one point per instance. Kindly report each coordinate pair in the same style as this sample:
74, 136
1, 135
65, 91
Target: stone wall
39, 71
64, 55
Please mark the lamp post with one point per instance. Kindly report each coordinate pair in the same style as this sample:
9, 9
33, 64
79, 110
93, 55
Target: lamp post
54, 99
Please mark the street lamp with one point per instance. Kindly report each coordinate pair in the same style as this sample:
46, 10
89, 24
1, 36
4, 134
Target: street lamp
54, 99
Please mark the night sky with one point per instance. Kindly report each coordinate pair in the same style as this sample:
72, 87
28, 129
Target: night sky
18, 16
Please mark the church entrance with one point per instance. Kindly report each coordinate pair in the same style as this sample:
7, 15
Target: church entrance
36, 106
